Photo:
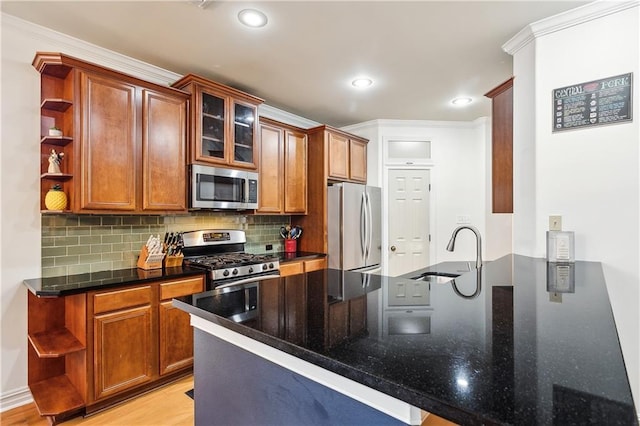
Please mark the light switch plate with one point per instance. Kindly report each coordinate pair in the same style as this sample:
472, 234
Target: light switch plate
555, 223
463, 219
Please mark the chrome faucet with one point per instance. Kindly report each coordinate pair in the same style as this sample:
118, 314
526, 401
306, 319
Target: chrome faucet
452, 242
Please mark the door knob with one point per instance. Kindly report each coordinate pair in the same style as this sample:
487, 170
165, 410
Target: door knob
393, 248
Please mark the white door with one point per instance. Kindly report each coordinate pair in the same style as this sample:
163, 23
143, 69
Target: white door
408, 218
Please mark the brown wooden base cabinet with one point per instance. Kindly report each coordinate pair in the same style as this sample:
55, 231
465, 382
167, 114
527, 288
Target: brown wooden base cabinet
301, 266
90, 350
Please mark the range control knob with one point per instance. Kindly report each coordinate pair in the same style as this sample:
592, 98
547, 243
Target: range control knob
264, 267
250, 270
235, 272
271, 266
226, 273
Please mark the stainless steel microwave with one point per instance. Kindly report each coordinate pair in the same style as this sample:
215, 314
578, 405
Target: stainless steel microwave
219, 188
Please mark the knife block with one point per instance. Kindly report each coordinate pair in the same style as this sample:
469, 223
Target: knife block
149, 261
173, 261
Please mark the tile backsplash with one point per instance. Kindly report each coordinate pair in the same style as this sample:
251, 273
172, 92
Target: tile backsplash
76, 244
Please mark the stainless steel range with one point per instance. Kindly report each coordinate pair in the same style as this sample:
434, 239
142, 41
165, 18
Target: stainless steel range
221, 253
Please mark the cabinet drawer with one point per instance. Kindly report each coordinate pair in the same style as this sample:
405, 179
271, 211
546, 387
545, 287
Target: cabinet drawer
184, 287
120, 299
291, 268
315, 264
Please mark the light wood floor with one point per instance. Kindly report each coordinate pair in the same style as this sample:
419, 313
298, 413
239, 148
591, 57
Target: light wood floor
166, 406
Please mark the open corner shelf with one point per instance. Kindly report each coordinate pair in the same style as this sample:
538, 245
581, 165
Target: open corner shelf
55, 396
56, 176
56, 140
56, 104
55, 343
55, 211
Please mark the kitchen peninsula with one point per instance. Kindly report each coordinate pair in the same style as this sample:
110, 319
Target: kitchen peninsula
510, 343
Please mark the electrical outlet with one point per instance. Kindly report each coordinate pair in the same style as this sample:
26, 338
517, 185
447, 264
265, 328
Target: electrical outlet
555, 223
269, 247
555, 297
463, 219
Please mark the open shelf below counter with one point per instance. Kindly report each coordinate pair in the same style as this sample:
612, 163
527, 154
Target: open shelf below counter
55, 343
55, 396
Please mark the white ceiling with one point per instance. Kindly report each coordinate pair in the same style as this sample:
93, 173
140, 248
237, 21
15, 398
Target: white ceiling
421, 54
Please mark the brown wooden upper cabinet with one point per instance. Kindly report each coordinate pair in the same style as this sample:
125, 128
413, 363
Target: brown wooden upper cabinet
502, 147
224, 123
347, 157
334, 156
124, 139
283, 168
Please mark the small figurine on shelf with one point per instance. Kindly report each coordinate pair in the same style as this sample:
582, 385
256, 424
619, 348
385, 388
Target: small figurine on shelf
54, 162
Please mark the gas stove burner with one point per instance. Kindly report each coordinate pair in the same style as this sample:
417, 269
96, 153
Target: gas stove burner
221, 253
229, 260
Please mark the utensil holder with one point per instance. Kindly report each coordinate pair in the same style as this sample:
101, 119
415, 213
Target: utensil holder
290, 246
149, 261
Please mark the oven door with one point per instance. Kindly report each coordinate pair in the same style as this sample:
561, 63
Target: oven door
233, 282
217, 188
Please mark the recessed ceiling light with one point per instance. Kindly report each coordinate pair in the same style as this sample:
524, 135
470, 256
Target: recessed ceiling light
362, 82
252, 18
462, 101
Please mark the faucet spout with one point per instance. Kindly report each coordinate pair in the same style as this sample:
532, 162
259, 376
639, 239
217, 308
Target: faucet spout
452, 242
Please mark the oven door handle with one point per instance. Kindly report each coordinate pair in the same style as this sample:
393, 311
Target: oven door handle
246, 281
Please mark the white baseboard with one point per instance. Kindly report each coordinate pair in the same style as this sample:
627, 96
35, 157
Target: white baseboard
15, 398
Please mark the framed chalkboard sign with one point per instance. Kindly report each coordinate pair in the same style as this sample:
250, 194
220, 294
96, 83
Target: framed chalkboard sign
594, 103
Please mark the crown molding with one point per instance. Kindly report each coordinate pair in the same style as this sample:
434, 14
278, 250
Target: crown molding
91, 52
365, 125
125, 64
377, 124
562, 21
286, 117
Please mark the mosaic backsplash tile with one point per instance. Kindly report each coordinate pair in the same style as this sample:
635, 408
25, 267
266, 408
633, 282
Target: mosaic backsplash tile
76, 244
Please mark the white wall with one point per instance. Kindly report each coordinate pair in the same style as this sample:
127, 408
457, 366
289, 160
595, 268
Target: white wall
20, 185
458, 178
589, 176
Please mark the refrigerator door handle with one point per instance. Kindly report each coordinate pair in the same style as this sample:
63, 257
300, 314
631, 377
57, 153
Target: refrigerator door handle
363, 224
369, 225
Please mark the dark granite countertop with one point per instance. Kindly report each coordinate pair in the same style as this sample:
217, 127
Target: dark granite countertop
298, 255
506, 346
81, 283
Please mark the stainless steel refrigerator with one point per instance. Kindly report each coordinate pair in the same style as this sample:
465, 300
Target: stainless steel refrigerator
355, 227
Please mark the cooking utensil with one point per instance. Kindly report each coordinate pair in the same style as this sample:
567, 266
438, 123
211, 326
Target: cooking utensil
284, 233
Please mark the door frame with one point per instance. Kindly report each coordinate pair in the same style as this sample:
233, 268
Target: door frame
431, 167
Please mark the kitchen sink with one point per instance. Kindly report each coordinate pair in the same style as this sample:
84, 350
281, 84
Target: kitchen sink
436, 277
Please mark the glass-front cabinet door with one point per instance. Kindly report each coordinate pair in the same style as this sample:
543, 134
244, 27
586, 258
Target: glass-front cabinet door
224, 124
213, 128
244, 126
